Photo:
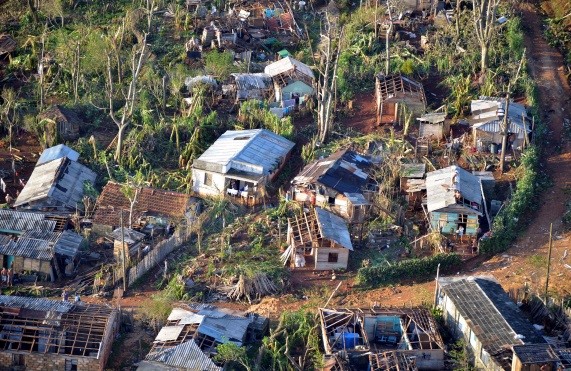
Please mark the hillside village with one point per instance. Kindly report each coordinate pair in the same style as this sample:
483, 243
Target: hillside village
285, 185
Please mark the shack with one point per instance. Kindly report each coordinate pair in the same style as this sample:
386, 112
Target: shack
339, 181
433, 126
292, 79
351, 334
246, 86
57, 184
192, 333
240, 163
395, 94
42, 334
61, 121
7, 44
487, 121
129, 242
153, 209
32, 242
318, 239
454, 200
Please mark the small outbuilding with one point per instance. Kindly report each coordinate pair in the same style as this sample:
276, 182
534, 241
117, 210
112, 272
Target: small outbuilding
318, 239
487, 123
129, 242
396, 93
57, 183
64, 121
292, 79
433, 126
246, 86
7, 44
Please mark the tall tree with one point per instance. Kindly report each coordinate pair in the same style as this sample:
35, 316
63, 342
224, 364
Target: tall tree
138, 58
484, 19
9, 111
329, 49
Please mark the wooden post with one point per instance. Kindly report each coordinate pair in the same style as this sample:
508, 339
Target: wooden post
505, 133
549, 260
123, 254
436, 287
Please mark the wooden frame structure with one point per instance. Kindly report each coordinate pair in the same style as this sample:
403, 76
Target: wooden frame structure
414, 334
46, 330
391, 361
308, 236
392, 90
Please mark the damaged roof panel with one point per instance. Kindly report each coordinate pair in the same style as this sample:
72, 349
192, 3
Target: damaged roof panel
333, 228
442, 184
288, 64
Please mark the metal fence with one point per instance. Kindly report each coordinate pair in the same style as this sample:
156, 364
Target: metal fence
158, 254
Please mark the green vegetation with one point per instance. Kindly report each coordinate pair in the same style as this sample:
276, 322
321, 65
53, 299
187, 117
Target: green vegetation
412, 269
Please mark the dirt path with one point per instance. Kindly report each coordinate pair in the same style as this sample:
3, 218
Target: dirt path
525, 262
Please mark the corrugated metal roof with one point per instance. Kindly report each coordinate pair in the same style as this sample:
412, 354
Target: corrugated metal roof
343, 171
226, 328
68, 243
333, 228
433, 118
440, 188
41, 235
287, 64
496, 127
12, 220
258, 149
57, 183
190, 82
131, 236
39, 304
490, 313
485, 109
29, 248
57, 152
187, 356
249, 81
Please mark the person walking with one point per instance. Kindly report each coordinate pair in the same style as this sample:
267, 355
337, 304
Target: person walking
64, 295
460, 233
10, 277
4, 275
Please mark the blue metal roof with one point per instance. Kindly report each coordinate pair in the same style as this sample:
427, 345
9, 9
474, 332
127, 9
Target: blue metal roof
55, 152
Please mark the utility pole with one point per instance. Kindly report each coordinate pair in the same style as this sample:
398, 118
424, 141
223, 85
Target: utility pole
436, 287
549, 260
505, 133
123, 254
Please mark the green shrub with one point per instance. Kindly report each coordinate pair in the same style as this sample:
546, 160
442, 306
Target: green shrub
417, 269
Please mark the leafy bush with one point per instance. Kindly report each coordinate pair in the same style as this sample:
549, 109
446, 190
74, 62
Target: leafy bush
219, 64
507, 223
417, 269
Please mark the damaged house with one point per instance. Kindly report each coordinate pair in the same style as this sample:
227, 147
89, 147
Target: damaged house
495, 330
246, 86
61, 121
318, 239
378, 338
293, 80
57, 182
453, 200
192, 333
433, 126
397, 94
487, 123
239, 163
34, 242
42, 334
152, 210
339, 181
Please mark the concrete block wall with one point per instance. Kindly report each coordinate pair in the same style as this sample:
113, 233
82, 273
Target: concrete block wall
49, 362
